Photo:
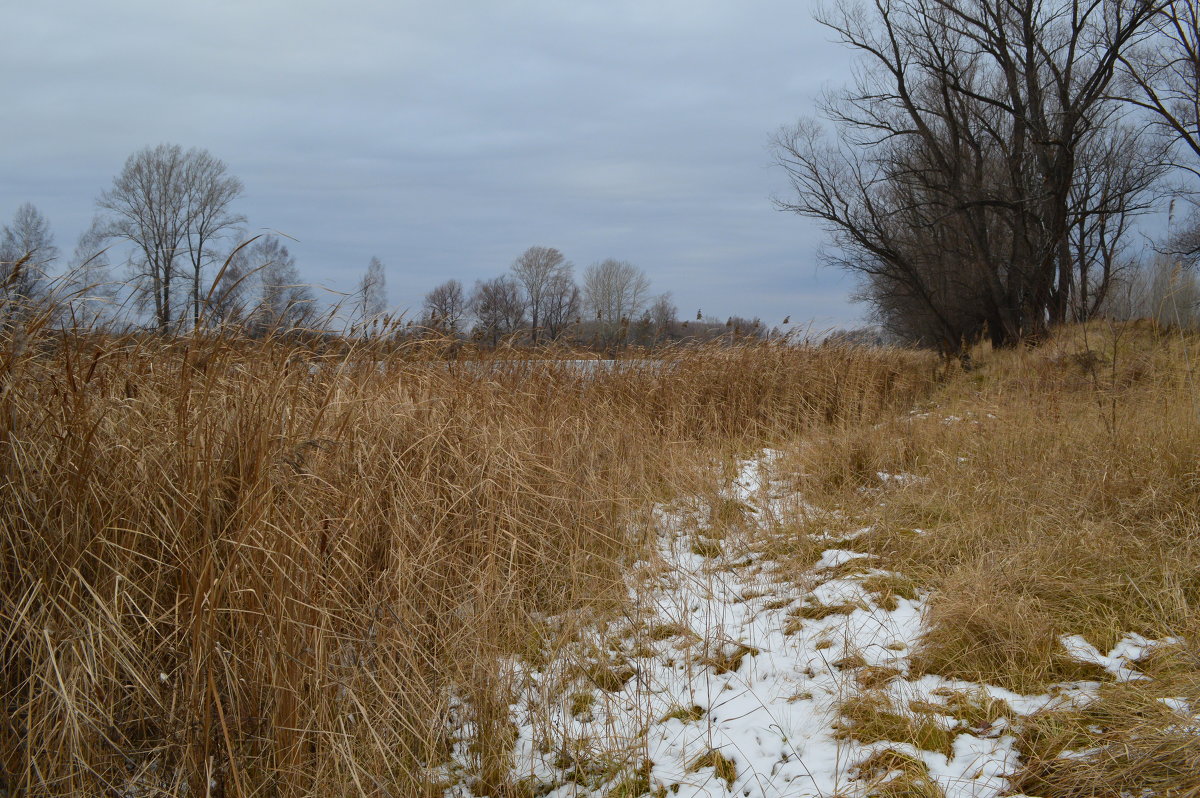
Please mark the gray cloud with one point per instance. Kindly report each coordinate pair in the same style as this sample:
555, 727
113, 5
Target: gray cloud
447, 138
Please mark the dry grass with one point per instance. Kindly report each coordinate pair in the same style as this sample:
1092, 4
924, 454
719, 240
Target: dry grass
894, 774
1048, 492
871, 719
723, 767
240, 567
1137, 736
683, 714
888, 589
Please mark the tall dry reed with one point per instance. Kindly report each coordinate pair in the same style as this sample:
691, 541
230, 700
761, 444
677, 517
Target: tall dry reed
241, 567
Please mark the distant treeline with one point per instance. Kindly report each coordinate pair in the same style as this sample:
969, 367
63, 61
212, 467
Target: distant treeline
538, 301
168, 251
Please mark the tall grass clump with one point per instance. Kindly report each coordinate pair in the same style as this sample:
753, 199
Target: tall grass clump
292, 566
759, 393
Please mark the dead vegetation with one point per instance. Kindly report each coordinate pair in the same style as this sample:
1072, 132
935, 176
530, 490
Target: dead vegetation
268, 566
1048, 492
289, 567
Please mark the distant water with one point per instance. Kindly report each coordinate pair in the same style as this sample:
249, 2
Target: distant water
583, 366
588, 366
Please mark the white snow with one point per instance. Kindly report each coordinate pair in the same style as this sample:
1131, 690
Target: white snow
718, 660
1119, 661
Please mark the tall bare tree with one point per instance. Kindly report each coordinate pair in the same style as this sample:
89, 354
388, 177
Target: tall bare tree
562, 304
372, 292
91, 292
1183, 239
499, 307
285, 303
663, 315
614, 292
172, 206
1165, 77
968, 117
1117, 177
26, 251
445, 307
538, 270
210, 191
907, 248
236, 287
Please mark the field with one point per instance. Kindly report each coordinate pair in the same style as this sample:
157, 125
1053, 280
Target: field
268, 567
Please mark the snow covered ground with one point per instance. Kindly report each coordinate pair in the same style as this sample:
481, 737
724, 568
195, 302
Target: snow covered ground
731, 676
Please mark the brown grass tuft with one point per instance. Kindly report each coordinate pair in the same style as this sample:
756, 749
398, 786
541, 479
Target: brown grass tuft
889, 773
871, 719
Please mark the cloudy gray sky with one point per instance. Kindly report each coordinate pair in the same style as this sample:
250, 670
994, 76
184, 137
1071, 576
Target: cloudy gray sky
448, 137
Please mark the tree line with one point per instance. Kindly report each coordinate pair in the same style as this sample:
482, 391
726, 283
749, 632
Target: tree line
189, 263
539, 300
188, 259
984, 172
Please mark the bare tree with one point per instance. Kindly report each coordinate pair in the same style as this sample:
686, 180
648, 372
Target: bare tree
372, 292
284, 303
91, 292
149, 209
742, 329
967, 120
499, 307
614, 292
26, 251
1165, 77
233, 286
888, 228
210, 191
562, 303
170, 205
538, 270
28, 237
445, 307
1118, 171
1183, 243
1066, 53
663, 315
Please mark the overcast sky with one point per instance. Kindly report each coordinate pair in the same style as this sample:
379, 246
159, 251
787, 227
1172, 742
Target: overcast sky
446, 138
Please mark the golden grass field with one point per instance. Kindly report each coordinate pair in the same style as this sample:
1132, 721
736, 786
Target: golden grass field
269, 567
1063, 499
